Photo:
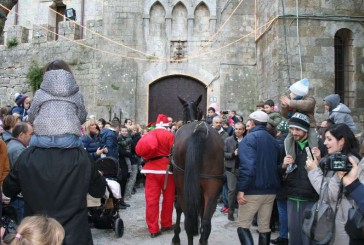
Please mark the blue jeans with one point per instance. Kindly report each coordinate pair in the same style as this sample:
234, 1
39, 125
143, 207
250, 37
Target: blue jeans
224, 195
57, 141
18, 204
295, 213
283, 220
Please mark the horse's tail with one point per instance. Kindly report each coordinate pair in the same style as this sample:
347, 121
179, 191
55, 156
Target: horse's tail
192, 189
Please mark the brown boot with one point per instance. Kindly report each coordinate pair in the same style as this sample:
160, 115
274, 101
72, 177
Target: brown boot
231, 215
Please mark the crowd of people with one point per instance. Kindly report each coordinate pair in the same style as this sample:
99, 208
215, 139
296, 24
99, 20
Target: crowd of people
49, 149
266, 162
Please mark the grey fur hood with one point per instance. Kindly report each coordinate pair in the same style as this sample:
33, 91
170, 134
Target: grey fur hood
332, 100
59, 83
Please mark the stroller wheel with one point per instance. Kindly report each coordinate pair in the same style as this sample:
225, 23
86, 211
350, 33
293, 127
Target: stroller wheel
119, 227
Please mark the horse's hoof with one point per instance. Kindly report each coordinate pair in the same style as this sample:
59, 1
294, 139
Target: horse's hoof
176, 241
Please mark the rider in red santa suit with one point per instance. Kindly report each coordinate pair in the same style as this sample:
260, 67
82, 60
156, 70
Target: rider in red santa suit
155, 148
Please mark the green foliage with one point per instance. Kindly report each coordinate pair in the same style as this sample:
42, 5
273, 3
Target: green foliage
115, 87
35, 76
73, 62
12, 42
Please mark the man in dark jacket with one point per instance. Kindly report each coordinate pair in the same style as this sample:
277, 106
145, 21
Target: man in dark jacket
258, 179
55, 182
22, 133
109, 139
282, 131
232, 165
301, 195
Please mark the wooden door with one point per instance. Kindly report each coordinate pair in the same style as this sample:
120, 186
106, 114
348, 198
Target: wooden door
163, 96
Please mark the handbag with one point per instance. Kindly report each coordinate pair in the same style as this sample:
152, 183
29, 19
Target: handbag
355, 224
319, 221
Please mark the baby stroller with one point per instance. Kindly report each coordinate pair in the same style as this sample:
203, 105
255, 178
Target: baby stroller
107, 215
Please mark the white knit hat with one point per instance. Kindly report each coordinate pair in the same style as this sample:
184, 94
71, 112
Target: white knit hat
259, 116
300, 88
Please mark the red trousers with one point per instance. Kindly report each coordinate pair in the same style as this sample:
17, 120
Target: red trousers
154, 185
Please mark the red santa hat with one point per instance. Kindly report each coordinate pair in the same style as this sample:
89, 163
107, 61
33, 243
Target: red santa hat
162, 121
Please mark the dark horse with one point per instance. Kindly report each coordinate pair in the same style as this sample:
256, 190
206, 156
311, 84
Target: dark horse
198, 170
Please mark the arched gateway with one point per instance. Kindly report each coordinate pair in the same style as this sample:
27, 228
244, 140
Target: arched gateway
163, 96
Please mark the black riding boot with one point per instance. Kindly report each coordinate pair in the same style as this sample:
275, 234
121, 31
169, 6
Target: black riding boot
264, 238
245, 236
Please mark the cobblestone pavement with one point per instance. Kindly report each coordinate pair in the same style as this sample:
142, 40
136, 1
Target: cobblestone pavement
136, 232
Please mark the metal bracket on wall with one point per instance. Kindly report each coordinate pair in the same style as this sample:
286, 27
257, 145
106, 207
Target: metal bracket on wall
178, 51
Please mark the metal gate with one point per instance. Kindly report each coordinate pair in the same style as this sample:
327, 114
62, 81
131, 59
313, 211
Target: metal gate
163, 96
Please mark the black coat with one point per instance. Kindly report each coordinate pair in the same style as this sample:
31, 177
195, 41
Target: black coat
55, 182
298, 183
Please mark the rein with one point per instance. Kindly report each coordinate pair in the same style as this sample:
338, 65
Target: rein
203, 176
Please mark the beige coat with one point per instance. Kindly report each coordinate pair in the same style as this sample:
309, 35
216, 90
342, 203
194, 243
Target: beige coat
333, 183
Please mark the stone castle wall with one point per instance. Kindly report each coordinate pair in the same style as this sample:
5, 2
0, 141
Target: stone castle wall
279, 67
252, 67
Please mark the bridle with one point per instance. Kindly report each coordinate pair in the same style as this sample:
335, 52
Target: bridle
191, 115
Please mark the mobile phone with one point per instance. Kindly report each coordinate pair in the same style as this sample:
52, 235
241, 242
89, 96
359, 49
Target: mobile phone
309, 153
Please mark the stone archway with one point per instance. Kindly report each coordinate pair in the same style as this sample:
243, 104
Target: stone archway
163, 96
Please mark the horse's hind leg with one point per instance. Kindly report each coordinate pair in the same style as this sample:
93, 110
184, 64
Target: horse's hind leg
206, 221
177, 227
205, 231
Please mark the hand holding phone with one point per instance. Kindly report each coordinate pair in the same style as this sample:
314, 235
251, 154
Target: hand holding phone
309, 153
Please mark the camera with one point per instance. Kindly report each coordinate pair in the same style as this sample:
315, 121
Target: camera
224, 112
337, 162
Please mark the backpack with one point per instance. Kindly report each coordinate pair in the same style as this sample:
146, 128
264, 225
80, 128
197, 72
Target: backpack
319, 221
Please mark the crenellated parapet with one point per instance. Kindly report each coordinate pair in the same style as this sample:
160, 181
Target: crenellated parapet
66, 31
20, 33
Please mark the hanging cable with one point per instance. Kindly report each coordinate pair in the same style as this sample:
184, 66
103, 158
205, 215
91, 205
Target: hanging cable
286, 45
141, 52
219, 30
106, 38
79, 43
267, 26
298, 40
149, 59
